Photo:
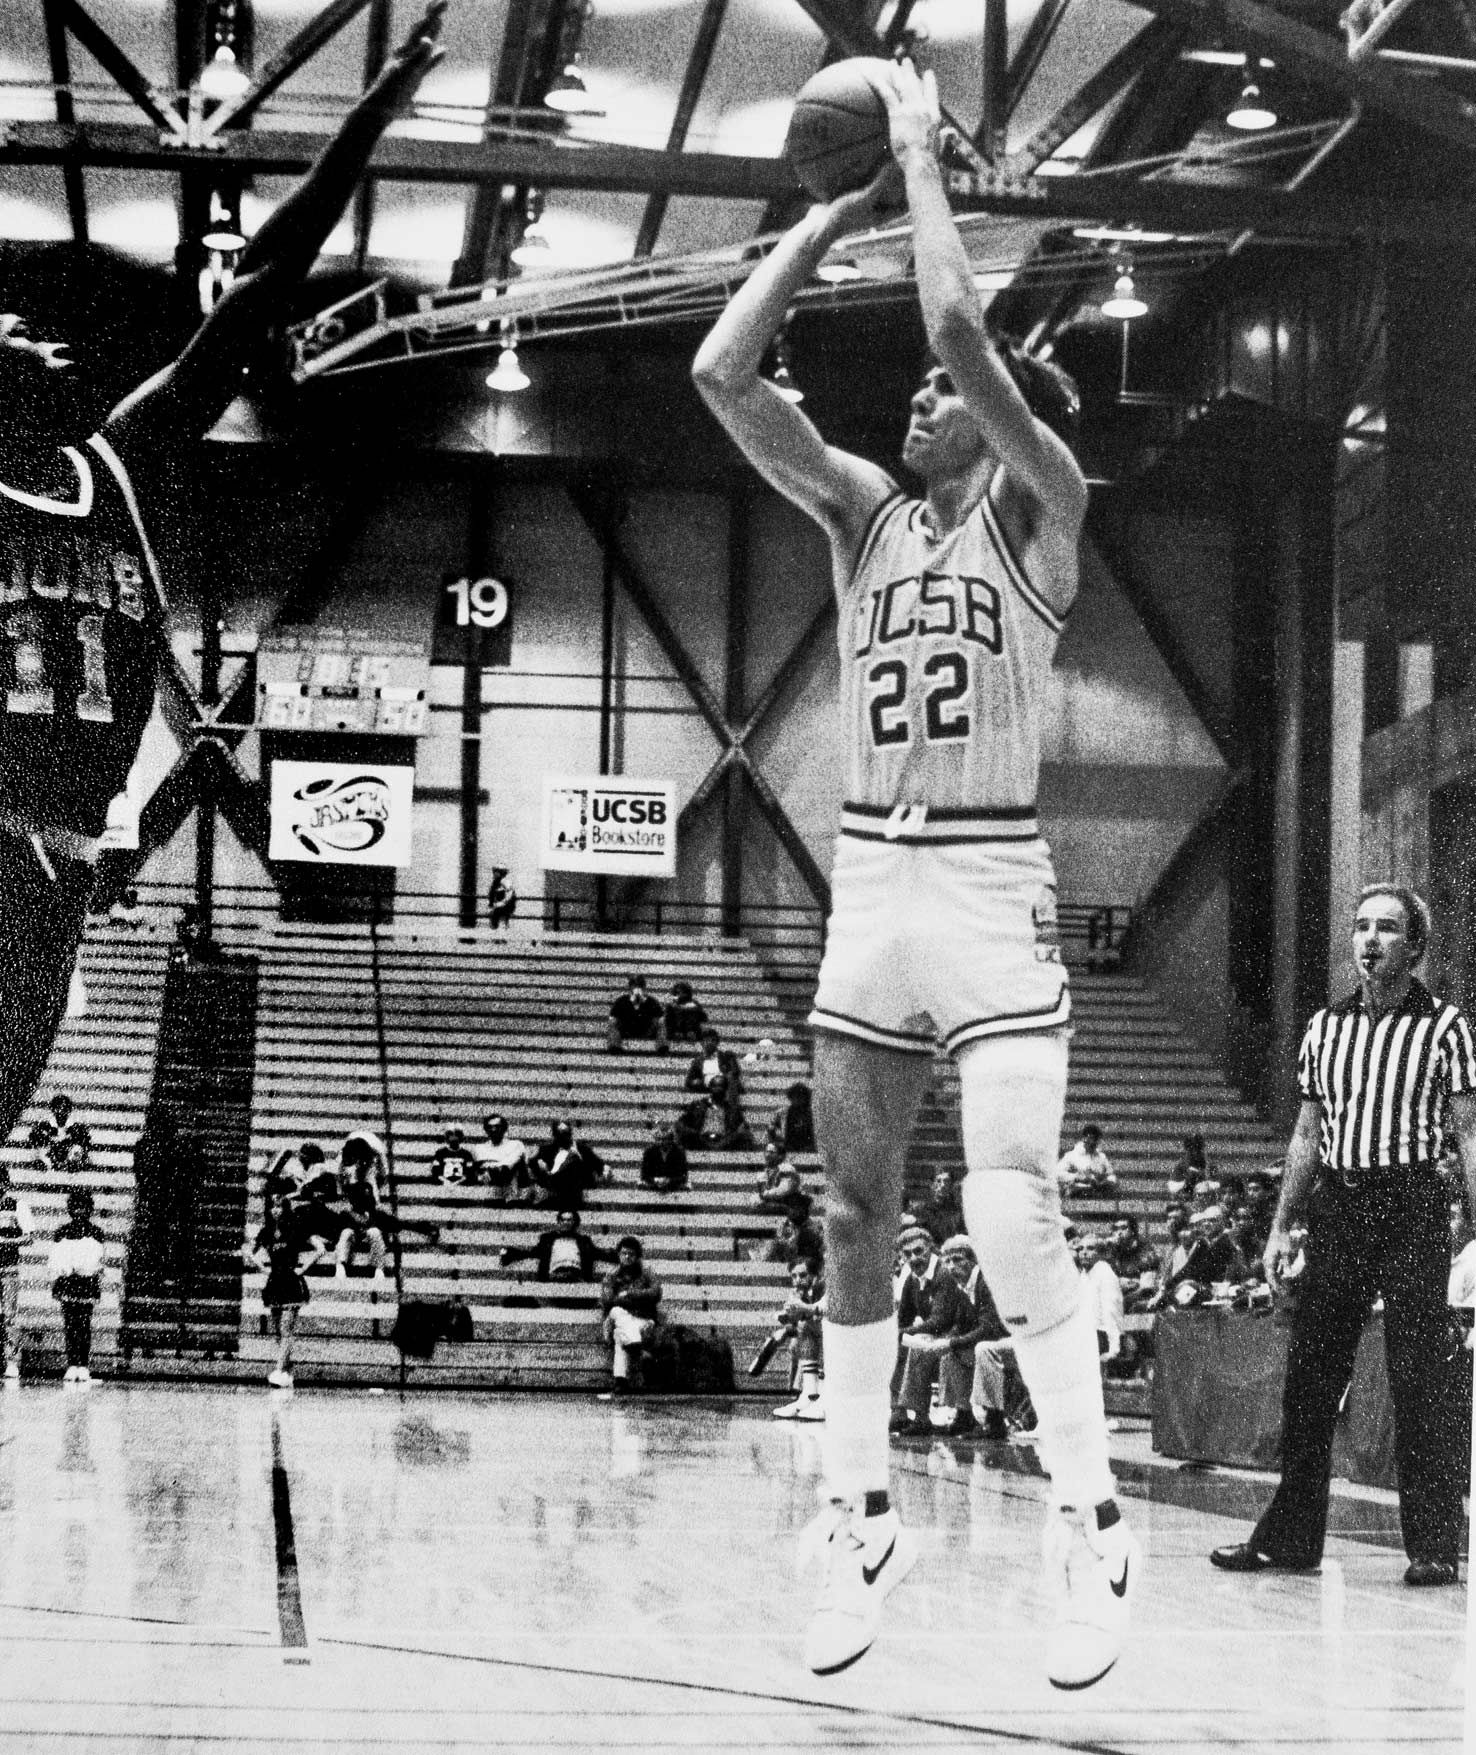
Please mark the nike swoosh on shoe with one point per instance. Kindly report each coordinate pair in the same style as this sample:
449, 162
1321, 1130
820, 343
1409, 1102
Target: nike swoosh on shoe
872, 1573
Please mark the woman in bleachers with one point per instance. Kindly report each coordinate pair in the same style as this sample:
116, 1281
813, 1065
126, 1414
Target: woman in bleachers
793, 1126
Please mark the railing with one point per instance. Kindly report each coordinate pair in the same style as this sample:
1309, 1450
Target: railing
1091, 932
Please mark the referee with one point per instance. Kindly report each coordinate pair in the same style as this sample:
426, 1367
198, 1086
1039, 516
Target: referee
1381, 1074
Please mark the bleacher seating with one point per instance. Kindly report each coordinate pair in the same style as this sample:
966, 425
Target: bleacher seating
424, 1028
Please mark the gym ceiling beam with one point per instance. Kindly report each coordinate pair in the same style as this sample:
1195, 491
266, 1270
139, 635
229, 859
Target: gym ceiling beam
1322, 60
695, 77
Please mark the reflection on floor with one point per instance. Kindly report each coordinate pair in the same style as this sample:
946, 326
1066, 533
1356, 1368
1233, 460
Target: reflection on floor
240, 1571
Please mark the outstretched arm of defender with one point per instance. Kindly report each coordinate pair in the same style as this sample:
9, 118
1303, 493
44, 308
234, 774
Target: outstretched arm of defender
185, 399
839, 491
955, 319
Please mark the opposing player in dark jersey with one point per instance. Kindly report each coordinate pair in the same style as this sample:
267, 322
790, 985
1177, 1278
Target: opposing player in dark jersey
942, 928
83, 615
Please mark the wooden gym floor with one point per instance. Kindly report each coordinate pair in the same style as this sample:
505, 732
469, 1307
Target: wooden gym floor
206, 1568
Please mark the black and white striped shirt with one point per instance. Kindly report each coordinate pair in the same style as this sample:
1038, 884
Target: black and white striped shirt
1383, 1084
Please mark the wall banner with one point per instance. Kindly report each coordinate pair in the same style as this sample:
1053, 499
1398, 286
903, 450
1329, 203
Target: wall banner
609, 824
341, 813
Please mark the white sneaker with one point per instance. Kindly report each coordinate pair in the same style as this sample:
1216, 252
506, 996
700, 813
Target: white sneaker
1093, 1572
12, 1371
70, 1374
864, 1559
280, 1379
83, 1374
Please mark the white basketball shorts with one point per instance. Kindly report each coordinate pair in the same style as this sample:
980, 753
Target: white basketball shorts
933, 943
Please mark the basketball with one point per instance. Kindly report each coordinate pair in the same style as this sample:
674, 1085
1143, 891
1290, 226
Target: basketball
838, 136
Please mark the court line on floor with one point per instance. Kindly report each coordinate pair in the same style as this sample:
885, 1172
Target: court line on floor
290, 1622
143, 1620
1032, 1739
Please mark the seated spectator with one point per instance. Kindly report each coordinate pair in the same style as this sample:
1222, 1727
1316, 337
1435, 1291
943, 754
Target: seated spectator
630, 1297
16, 1225
502, 899
1102, 1294
686, 1018
777, 1183
1205, 1193
1086, 1168
1260, 1197
713, 1062
565, 1253
940, 1212
793, 1126
501, 1161
715, 1122
1247, 1239
371, 1222
452, 1160
364, 1228
799, 1327
563, 1167
1191, 1168
1206, 1256
793, 1237
977, 1330
285, 1174
664, 1163
1134, 1262
636, 1016
321, 1209
929, 1306
366, 1149
53, 1138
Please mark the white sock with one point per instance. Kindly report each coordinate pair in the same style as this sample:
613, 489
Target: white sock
1065, 1382
859, 1360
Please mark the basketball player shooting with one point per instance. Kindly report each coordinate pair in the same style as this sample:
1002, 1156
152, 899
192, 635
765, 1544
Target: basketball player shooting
84, 613
943, 919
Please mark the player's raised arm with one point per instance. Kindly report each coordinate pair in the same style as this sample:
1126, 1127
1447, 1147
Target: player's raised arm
957, 329
839, 491
186, 398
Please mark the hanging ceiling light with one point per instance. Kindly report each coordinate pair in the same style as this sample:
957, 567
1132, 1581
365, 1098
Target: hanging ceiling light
223, 228
1124, 302
569, 95
533, 249
508, 376
223, 76
1251, 112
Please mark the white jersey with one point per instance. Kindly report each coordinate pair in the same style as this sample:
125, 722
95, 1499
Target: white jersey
945, 647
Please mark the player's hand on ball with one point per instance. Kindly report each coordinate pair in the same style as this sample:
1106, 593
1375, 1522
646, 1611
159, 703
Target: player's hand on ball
912, 111
861, 208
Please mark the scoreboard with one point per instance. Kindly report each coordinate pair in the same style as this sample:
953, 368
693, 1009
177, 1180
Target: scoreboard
341, 679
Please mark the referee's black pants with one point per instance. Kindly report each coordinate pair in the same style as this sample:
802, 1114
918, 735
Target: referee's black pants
1390, 1237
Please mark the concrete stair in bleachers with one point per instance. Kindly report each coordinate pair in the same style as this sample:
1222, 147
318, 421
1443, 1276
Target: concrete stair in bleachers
104, 1060
475, 1023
